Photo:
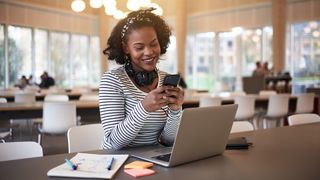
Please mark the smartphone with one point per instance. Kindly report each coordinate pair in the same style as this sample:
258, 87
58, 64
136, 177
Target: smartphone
171, 80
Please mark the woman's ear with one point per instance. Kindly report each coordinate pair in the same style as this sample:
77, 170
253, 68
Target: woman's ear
125, 48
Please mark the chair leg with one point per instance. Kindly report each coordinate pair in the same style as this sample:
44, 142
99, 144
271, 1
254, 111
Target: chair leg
264, 125
39, 138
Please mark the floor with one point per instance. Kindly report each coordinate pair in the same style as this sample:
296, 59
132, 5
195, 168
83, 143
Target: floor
51, 144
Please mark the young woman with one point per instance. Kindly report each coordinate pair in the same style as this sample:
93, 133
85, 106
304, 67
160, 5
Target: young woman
135, 108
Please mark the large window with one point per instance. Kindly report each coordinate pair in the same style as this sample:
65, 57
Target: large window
200, 61
168, 62
19, 53
94, 61
71, 59
217, 61
2, 59
59, 54
303, 57
227, 61
41, 53
79, 55
251, 43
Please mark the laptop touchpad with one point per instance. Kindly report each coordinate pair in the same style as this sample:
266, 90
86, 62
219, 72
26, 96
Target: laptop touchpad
163, 157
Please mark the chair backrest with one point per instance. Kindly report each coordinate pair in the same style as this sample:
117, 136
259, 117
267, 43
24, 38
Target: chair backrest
58, 117
278, 105
24, 97
3, 100
246, 106
210, 101
237, 93
20, 150
305, 103
267, 92
85, 138
56, 98
89, 97
241, 126
297, 119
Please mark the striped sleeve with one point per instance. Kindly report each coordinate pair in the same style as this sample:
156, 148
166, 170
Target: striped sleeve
119, 129
170, 130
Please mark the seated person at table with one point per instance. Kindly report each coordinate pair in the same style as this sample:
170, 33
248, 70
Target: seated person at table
135, 108
46, 81
259, 70
23, 82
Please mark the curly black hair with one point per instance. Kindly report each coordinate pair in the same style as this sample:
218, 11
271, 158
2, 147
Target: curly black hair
114, 49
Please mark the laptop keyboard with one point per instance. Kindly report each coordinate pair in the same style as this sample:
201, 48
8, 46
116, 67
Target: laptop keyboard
164, 157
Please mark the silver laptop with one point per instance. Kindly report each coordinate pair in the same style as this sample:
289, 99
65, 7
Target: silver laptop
203, 132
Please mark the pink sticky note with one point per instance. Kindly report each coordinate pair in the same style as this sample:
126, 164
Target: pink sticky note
139, 172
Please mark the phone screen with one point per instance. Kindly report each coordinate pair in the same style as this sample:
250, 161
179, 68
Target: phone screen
171, 80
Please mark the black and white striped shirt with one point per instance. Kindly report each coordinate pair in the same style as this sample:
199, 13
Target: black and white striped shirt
124, 120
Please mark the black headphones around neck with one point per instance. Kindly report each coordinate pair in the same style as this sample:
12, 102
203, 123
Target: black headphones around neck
141, 78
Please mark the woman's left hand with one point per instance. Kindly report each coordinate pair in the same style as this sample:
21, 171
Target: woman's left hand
174, 97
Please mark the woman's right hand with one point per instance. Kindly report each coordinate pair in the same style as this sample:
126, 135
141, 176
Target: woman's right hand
154, 100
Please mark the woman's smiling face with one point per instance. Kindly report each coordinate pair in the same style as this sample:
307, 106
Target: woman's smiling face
144, 49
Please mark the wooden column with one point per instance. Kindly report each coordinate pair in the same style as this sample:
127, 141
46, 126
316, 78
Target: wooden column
279, 33
181, 26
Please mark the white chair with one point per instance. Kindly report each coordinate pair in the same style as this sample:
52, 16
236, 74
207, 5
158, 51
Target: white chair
58, 117
237, 93
20, 150
210, 101
267, 92
24, 97
305, 103
4, 133
278, 107
241, 126
85, 138
56, 98
89, 97
3, 100
52, 98
246, 108
298, 119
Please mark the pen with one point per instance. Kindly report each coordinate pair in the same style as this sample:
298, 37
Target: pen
109, 163
71, 165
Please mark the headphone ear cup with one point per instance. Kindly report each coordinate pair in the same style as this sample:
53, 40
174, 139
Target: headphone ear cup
129, 70
140, 78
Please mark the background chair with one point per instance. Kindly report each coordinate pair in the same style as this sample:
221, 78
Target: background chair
87, 98
241, 126
4, 130
56, 98
58, 117
267, 92
298, 119
85, 138
19, 150
24, 97
51, 98
246, 108
305, 103
278, 107
210, 101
